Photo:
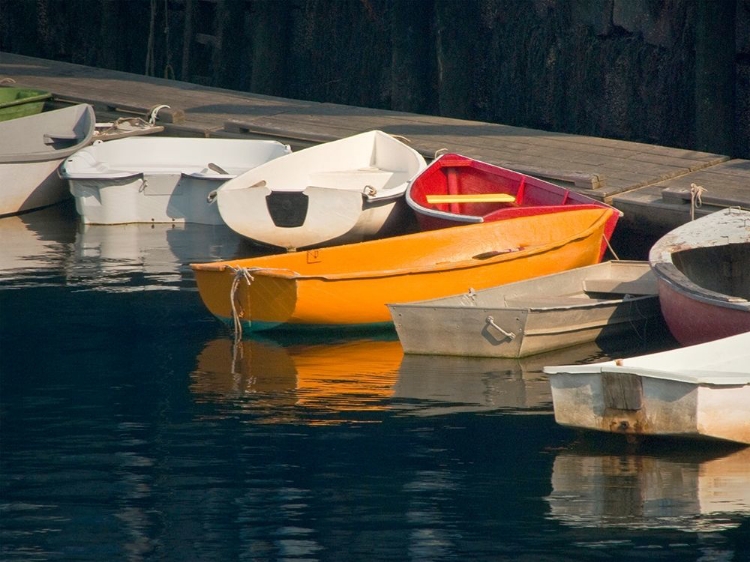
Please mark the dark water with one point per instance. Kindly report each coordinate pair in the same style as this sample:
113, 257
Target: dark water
131, 430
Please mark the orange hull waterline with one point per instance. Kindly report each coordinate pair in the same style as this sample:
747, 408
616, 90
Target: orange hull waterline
351, 285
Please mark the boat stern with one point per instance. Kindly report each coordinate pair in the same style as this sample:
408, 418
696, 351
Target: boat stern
242, 296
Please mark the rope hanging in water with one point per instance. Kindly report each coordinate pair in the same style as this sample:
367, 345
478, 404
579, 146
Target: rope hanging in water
696, 192
240, 273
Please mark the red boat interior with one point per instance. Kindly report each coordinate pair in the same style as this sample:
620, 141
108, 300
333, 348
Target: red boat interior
459, 175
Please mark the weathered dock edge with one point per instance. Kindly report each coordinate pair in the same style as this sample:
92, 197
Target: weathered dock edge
641, 180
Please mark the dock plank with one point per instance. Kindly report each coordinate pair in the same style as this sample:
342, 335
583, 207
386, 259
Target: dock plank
667, 204
724, 185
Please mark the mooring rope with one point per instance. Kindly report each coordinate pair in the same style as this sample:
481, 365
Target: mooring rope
238, 353
402, 138
168, 70
150, 44
240, 273
634, 305
696, 193
611, 249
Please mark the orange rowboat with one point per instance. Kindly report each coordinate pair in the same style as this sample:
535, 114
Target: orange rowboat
351, 284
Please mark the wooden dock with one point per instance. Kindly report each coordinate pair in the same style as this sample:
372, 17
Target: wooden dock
650, 184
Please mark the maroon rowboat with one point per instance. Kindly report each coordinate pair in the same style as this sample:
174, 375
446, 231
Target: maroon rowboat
703, 273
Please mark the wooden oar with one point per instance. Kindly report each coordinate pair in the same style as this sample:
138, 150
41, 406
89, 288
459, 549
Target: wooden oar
472, 198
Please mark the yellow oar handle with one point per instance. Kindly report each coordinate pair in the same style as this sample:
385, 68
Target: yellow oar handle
472, 198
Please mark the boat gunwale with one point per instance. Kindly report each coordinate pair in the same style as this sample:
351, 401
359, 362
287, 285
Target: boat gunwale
474, 262
441, 303
584, 304
698, 377
40, 96
672, 278
83, 176
118, 169
88, 118
679, 359
692, 235
693, 377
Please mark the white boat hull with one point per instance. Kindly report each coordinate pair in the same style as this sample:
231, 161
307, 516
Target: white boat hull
31, 185
159, 180
332, 217
339, 192
176, 199
667, 408
31, 151
702, 391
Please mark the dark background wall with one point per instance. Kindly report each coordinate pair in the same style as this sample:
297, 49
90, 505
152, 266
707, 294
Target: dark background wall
669, 72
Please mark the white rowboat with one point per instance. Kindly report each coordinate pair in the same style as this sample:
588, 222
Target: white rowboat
159, 179
700, 391
338, 192
31, 150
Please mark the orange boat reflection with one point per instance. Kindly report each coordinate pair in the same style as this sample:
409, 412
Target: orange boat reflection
356, 375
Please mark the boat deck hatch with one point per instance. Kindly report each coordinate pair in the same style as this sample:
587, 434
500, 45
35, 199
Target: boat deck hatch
287, 209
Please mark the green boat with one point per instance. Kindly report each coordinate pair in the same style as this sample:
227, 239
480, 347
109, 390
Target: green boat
21, 102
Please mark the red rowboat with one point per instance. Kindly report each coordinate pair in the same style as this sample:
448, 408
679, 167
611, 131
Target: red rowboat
456, 190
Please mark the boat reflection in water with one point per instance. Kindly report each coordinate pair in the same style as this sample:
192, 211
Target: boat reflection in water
36, 244
434, 385
110, 258
699, 490
298, 383
316, 382
437, 385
